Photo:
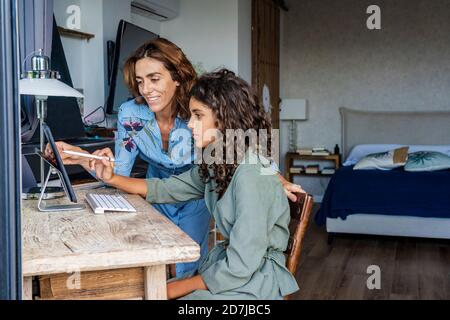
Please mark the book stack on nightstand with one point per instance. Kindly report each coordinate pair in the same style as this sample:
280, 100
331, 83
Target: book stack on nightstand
312, 169
320, 152
297, 169
316, 151
319, 162
328, 170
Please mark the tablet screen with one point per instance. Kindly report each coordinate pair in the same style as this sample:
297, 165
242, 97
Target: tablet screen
57, 163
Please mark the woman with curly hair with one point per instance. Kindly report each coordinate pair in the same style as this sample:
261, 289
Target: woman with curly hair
243, 194
153, 126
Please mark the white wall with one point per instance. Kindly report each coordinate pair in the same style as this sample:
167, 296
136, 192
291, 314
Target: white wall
146, 23
72, 47
331, 59
93, 67
206, 31
216, 33
113, 12
85, 58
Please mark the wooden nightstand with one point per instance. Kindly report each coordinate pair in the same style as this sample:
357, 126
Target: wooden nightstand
291, 156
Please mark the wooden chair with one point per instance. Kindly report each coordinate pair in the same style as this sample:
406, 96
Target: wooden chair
300, 214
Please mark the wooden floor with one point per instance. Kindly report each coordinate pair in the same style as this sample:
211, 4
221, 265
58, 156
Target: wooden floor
411, 268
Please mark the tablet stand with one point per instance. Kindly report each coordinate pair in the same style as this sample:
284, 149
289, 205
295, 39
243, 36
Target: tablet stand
59, 207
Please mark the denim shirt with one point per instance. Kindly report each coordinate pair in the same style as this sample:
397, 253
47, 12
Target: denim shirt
139, 134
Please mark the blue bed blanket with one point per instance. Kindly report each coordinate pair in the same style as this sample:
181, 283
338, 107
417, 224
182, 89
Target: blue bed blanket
393, 192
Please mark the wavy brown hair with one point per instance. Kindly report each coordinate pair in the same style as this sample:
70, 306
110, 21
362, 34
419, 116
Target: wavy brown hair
235, 106
175, 61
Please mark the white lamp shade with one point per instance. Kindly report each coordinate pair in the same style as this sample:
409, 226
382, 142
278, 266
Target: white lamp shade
46, 88
293, 109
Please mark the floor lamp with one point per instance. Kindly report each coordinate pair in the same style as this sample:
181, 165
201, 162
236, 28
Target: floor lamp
41, 82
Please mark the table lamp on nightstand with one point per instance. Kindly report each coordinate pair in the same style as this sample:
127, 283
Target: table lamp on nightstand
293, 110
42, 82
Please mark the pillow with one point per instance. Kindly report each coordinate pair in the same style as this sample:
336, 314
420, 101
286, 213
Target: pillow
384, 160
445, 149
361, 150
427, 161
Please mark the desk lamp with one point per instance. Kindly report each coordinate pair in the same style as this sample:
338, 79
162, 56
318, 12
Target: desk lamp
42, 82
293, 110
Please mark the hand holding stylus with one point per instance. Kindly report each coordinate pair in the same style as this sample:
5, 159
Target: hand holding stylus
88, 155
104, 167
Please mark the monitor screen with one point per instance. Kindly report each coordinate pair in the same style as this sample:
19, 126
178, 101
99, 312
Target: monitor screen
57, 163
129, 38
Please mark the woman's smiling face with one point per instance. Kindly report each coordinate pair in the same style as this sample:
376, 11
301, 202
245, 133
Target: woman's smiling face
155, 84
202, 123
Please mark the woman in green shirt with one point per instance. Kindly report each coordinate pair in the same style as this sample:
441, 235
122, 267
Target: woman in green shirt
240, 189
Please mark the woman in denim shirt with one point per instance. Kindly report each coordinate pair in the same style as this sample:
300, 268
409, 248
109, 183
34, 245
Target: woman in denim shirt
153, 126
139, 134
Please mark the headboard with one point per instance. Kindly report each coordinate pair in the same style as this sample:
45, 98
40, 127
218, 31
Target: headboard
396, 127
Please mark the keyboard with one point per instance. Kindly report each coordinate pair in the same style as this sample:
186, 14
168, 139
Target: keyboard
108, 202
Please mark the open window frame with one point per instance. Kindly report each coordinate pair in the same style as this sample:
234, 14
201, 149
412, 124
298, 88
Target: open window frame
10, 159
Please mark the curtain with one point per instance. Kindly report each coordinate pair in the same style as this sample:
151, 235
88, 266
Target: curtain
35, 32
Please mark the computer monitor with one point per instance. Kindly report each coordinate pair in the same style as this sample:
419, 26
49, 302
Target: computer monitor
57, 166
129, 38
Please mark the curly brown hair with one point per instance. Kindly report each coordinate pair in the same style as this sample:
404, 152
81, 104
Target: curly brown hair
175, 61
235, 106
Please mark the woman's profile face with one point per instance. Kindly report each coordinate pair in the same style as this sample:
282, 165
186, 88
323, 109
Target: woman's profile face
202, 124
155, 84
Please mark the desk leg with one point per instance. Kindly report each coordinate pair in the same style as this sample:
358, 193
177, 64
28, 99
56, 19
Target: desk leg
155, 282
27, 288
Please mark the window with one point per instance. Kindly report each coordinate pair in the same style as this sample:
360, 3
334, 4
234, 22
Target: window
10, 250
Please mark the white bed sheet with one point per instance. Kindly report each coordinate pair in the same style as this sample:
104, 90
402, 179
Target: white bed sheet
390, 225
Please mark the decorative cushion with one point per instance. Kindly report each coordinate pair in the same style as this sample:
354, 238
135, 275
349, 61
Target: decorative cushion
384, 160
361, 150
445, 149
427, 161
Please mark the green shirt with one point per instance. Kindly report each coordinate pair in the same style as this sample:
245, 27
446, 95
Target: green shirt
253, 216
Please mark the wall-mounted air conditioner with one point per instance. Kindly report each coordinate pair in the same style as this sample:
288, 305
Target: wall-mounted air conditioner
160, 10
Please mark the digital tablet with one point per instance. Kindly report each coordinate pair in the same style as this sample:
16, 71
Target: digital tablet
57, 163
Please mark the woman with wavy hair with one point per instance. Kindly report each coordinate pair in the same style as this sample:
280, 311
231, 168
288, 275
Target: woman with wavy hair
153, 126
243, 194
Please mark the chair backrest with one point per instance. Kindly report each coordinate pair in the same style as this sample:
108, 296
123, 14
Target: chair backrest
300, 214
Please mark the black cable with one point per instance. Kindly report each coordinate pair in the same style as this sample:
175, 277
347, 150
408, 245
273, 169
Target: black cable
95, 123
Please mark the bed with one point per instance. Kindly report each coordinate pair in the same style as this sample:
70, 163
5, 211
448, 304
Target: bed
395, 202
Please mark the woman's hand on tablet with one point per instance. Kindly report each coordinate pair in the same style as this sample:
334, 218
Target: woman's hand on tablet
67, 158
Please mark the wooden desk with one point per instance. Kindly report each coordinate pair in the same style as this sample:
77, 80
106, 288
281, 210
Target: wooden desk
81, 255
